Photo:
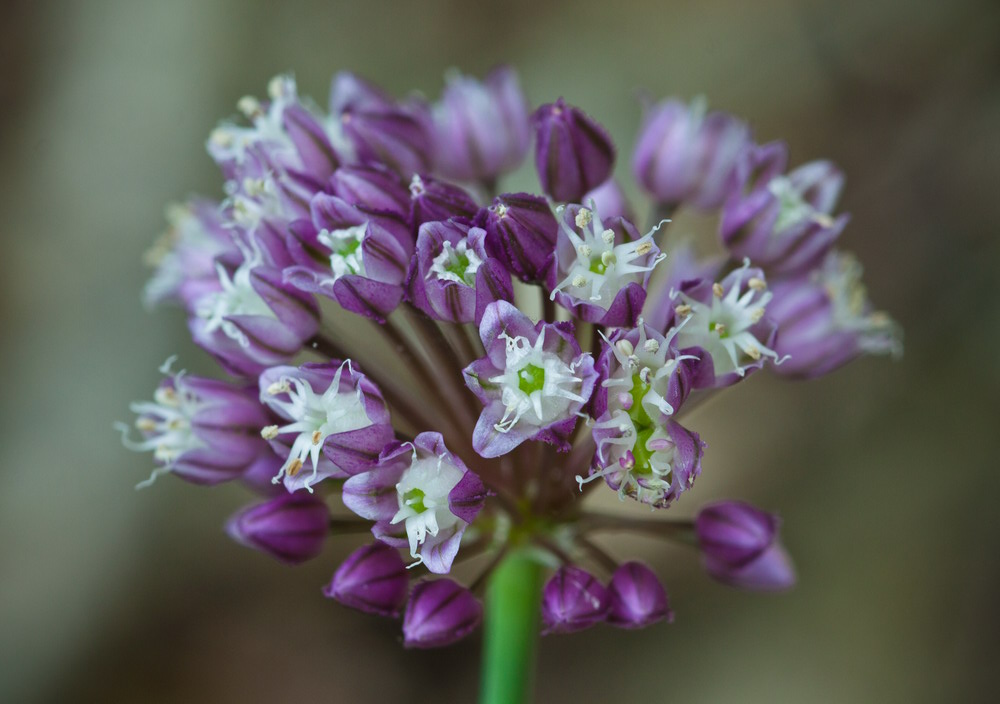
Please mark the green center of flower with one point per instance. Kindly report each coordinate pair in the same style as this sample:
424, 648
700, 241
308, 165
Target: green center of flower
598, 266
637, 412
458, 265
414, 498
641, 453
531, 379
348, 246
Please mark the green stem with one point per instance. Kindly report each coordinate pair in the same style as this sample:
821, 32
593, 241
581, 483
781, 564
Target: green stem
511, 630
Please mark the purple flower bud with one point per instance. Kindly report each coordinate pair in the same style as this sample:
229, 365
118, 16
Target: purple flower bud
372, 579
740, 547
684, 155
422, 491
734, 533
480, 128
782, 223
372, 187
440, 612
825, 320
432, 200
378, 128
522, 230
533, 381
452, 277
290, 528
637, 597
572, 601
573, 153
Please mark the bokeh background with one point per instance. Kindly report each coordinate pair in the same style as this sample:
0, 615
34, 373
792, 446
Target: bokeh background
886, 473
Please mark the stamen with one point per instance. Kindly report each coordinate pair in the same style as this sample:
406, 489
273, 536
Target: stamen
294, 467
269, 432
717, 290
644, 248
249, 106
753, 352
279, 387
651, 346
757, 284
608, 236
583, 218
317, 437
683, 310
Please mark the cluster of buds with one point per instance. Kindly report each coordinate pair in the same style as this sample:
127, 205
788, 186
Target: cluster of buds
453, 370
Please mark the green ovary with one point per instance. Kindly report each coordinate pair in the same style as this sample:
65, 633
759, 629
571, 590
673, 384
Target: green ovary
641, 453
414, 498
637, 412
349, 247
597, 266
531, 379
458, 265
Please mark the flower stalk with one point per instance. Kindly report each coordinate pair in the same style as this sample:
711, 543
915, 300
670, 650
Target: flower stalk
511, 630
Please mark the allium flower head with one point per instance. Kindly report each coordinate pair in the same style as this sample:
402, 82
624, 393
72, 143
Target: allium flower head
453, 372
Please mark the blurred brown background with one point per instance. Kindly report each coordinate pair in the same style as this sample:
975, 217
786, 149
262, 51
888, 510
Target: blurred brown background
886, 474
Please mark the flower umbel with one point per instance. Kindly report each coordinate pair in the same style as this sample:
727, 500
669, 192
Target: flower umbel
516, 348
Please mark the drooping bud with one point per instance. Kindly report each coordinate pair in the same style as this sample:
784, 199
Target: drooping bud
734, 533
372, 579
684, 155
572, 601
522, 229
480, 128
573, 153
740, 547
637, 599
291, 528
439, 612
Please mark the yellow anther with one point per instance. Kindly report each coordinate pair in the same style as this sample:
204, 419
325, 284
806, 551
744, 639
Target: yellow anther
683, 310
583, 218
757, 284
294, 467
269, 432
717, 290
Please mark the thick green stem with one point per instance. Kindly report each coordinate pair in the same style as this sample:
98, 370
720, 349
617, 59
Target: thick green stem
511, 630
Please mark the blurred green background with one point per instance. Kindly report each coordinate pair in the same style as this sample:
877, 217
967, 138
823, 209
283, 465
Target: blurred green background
886, 473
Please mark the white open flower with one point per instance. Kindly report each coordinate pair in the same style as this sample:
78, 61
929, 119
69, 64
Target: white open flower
537, 386
422, 493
